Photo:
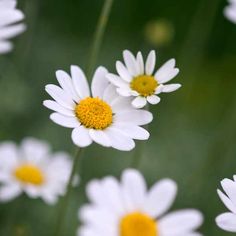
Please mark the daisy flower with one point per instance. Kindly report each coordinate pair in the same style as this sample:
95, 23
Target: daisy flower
127, 208
227, 221
230, 11
9, 15
32, 169
137, 79
103, 117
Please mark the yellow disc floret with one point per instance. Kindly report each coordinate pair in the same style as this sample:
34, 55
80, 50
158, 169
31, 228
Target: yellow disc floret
145, 85
138, 224
94, 113
29, 174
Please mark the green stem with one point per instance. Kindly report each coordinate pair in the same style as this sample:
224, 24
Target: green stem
65, 200
98, 36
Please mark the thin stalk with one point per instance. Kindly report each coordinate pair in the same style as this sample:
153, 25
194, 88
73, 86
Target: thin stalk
65, 200
98, 36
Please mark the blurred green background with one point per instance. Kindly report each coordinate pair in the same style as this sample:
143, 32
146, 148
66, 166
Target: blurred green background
193, 136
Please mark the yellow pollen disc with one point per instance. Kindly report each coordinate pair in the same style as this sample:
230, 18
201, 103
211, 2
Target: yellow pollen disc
138, 224
94, 113
29, 174
145, 85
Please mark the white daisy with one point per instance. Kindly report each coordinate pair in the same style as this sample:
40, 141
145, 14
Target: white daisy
9, 15
129, 209
230, 11
136, 79
31, 169
103, 117
227, 221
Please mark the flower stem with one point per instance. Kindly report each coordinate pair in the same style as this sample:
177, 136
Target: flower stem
65, 200
98, 36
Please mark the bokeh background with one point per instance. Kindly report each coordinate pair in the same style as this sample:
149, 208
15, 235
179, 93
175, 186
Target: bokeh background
193, 136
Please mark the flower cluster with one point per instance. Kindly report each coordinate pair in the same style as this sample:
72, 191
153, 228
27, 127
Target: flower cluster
9, 15
108, 115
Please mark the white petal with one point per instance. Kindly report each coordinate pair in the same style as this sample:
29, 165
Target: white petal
170, 88
160, 197
125, 92
32, 191
162, 75
120, 104
9, 16
99, 82
8, 155
150, 63
34, 150
171, 74
81, 137
65, 82
11, 31
80, 82
5, 47
227, 221
153, 99
132, 131
110, 93
9, 192
60, 96
123, 72
139, 102
230, 13
65, 121
10, 4
138, 117
134, 189
117, 81
130, 63
119, 140
140, 63
228, 203
95, 192
100, 137
180, 222
58, 108
229, 187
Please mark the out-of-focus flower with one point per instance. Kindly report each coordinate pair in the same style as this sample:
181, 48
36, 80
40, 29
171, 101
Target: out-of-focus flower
129, 209
227, 221
230, 11
32, 169
9, 15
159, 33
136, 79
103, 117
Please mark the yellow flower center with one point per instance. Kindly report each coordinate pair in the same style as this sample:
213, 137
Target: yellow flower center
145, 85
29, 174
94, 113
138, 224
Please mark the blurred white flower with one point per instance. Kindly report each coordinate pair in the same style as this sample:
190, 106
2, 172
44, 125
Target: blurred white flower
9, 15
105, 117
230, 11
227, 221
129, 209
136, 79
32, 169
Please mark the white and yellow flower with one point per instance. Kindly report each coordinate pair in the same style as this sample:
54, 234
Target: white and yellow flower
230, 11
129, 209
103, 117
136, 79
32, 169
9, 15
227, 221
